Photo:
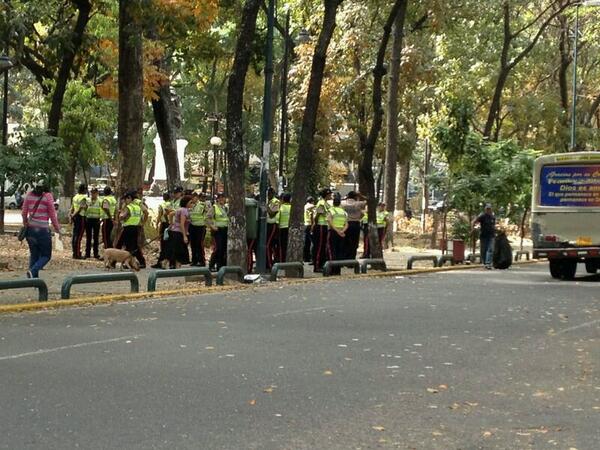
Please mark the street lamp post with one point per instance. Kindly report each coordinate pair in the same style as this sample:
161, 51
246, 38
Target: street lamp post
216, 142
575, 44
5, 65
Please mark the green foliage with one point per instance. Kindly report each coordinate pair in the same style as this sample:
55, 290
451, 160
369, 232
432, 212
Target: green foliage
35, 155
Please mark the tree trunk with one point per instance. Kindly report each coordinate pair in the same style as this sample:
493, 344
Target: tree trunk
236, 236
565, 62
366, 179
69, 50
166, 119
391, 146
131, 97
402, 185
306, 141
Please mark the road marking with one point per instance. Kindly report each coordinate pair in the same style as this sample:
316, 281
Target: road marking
577, 327
322, 308
66, 347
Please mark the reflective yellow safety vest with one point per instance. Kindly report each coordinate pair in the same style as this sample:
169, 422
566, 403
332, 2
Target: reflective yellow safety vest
94, 209
339, 217
220, 217
381, 218
198, 215
78, 199
135, 215
166, 207
284, 215
322, 220
112, 206
365, 218
308, 214
272, 203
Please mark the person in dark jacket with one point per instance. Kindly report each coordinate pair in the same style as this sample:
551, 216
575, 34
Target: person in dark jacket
487, 230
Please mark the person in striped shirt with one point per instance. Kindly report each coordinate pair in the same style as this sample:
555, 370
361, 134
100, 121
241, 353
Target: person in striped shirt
37, 211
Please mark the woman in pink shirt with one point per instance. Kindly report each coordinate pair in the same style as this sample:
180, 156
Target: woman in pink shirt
177, 244
37, 211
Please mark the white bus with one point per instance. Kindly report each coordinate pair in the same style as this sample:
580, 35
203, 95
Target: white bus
565, 212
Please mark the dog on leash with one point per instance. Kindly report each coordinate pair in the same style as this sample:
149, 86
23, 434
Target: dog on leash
114, 255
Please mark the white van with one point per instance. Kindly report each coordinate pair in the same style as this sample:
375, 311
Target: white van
565, 212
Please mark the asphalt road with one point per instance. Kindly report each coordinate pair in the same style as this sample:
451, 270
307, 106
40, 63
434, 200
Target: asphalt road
458, 360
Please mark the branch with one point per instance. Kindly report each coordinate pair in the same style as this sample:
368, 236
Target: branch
420, 23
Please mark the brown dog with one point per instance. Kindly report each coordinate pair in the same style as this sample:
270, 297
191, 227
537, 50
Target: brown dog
113, 256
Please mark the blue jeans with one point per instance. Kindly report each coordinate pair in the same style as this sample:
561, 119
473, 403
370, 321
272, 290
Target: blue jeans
40, 249
486, 249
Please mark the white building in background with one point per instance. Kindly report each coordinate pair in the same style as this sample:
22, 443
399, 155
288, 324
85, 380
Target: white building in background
160, 171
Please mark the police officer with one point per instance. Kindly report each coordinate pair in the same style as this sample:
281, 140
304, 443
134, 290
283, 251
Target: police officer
219, 223
165, 210
139, 200
284, 225
77, 215
354, 205
319, 230
364, 223
197, 230
273, 205
309, 209
93, 214
109, 206
383, 223
337, 220
131, 218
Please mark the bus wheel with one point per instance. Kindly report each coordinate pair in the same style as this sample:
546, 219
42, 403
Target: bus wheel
555, 268
591, 265
569, 268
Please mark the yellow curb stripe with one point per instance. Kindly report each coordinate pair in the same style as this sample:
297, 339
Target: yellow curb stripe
166, 294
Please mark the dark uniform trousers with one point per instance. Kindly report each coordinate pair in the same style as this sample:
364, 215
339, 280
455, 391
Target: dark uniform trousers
92, 232
251, 253
335, 250
78, 229
218, 258
283, 243
163, 243
366, 247
352, 238
129, 240
307, 244
107, 228
197, 234
272, 244
319, 247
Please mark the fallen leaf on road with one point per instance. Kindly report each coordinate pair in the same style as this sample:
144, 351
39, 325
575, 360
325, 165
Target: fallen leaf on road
328, 372
487, 434
252, 402
471, 404
268, 390
432, 390
442, 387
378, 428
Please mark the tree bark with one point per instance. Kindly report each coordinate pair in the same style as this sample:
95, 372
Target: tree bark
234, 148
166, 119
365, 172
131, 98
565, 62
69, 51
402, 185
306, 141
391, 146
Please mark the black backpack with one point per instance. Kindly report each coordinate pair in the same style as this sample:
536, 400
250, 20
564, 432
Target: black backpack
502, 258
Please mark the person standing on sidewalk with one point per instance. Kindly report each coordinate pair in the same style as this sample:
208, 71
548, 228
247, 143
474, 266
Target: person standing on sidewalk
354, 206
37, 210
285, 210
197, 231
309, 209
77, 216
177, 244
273, 205
131, 217
92, 225
165, 209
319, 231
487, 231
109, 206
219, 223
337, 219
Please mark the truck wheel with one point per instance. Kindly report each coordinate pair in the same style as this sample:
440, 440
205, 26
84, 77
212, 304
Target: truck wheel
555, 268
569, 268
591, 265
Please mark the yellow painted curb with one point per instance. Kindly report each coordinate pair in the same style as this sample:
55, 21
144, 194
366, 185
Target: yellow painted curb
166, 294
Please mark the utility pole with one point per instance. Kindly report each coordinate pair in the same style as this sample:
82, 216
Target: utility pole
284, 109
